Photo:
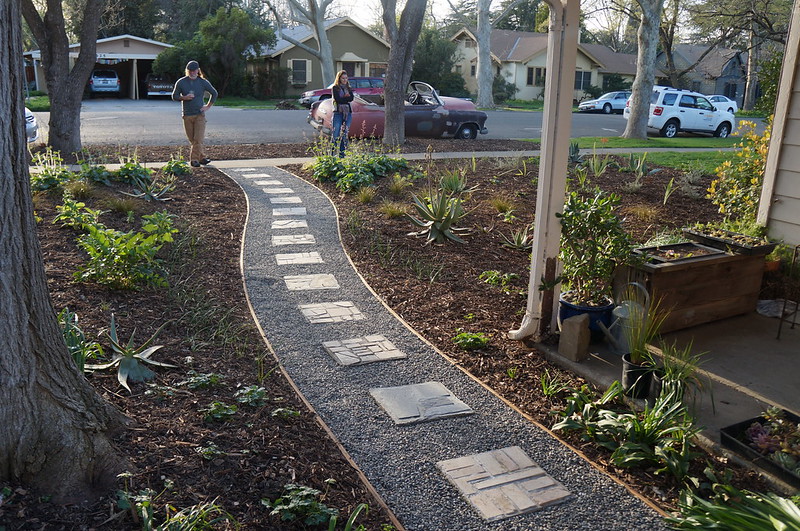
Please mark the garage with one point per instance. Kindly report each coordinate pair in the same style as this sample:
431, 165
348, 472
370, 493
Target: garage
129, 56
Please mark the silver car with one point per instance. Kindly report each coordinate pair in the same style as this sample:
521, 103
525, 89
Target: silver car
31, 127
607, 103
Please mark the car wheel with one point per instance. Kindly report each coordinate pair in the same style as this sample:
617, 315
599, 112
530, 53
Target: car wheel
730, 110
607, 108
467, 132
723, 130
670, 129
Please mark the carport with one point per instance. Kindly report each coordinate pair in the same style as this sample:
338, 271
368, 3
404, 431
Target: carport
130, 56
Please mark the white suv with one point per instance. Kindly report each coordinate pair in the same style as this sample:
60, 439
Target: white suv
674, 110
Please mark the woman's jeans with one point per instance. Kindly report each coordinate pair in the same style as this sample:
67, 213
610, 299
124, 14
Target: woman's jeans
340, 130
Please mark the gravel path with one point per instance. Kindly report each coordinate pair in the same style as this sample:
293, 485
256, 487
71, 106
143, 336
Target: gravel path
400, 460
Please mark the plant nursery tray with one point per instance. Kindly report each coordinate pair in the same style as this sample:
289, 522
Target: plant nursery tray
676, 252
733, 437
731, 241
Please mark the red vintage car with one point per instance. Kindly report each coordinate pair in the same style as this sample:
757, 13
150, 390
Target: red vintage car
426, 113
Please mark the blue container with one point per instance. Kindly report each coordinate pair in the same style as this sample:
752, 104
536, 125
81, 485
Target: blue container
596, 314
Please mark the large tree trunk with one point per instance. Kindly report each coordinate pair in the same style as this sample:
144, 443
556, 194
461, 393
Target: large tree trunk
53, 426
647, 38
64, 85
403, 40
749, 100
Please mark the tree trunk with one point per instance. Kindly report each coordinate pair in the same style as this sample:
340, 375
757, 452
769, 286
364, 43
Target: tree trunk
647, 38
749, 100
403, 40
64, 86
484, 36
54, 428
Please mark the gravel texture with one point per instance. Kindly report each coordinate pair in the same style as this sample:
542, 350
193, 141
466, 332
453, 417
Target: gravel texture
400, 461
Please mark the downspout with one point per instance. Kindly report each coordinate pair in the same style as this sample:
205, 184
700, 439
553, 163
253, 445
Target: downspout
562, 46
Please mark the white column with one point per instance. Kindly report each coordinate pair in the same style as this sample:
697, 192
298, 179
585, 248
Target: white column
562, 46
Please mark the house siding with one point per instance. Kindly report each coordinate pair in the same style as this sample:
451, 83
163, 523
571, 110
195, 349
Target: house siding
344, 37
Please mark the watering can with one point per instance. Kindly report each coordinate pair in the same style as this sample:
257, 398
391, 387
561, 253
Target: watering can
624, 317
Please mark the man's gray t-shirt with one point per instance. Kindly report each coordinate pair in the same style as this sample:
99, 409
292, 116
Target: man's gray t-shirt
199, 87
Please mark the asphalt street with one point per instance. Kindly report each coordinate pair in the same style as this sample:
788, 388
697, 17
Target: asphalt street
158, 122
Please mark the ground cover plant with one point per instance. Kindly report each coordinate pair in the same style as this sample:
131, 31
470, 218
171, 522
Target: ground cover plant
473, 291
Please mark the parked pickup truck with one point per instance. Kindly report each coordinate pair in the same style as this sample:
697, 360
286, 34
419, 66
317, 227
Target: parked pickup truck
158, 85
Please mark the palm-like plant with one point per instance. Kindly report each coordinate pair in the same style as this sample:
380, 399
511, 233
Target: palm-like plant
127, 357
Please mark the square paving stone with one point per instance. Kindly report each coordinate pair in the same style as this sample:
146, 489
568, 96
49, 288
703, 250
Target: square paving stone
276, 190
282, 200
298, 258
331, 312
271, 182
289, 224
503, 483
310, 282
422, 402
290, 211
243, 170
256, 175
361, 350
292, 239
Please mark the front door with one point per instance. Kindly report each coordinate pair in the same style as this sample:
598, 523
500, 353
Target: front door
350, 68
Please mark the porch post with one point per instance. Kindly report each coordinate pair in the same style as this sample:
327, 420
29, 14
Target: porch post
562, 45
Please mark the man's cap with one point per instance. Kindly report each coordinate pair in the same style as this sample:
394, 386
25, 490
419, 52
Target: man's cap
192, 65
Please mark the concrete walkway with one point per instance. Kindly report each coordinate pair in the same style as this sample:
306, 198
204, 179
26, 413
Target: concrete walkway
442, 450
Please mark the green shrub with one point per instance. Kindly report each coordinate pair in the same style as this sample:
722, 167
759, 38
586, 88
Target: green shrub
737, 188
76, 214
132, 172
51, 170
357, 170
78, 346
438, 216
299, 504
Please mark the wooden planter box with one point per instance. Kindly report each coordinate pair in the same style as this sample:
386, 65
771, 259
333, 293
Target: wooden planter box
700, 289
733, 437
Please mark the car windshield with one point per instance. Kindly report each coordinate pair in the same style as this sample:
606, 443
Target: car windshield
608, 96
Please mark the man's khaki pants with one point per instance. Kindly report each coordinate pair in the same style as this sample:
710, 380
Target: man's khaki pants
195, 127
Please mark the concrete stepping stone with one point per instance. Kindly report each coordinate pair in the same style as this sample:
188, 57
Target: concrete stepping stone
256, 175
283, 190
292, 239
331, 312
310, 282
243, 170
290, 211
298, 258
289, 224
362, 350
282, 200
503, 483
421, 402
267, 183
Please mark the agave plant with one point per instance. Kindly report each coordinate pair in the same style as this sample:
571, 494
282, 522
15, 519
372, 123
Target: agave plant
438, 215
127, 357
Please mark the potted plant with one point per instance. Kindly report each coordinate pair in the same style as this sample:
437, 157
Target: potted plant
642, 328
593, 244
747, 239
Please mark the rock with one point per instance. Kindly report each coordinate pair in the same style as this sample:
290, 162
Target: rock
574, 342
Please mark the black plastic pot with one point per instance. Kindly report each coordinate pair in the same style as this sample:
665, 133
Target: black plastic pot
635, 378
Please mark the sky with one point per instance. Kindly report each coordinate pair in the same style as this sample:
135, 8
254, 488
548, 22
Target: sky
366, 12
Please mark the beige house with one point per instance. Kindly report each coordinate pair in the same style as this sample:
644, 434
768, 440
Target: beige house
779, 208
355, 49
521, 57
130, 56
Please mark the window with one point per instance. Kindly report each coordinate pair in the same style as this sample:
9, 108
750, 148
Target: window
539, 76
582, 80
458, 69
300, 74
472, 70
529, 80
378, 69
687, 102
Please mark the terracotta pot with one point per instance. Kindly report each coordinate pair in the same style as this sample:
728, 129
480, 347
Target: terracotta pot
772, 265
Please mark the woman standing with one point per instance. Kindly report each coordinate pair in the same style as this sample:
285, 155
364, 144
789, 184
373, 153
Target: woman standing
342, 116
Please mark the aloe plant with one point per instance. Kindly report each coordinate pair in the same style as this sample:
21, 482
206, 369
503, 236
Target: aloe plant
130, 359
438, 216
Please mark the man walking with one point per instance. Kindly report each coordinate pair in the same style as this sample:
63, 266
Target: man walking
190, 90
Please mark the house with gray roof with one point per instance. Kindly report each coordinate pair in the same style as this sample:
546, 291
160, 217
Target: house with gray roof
721, 71
355, 50
521, 57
